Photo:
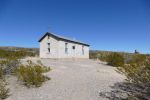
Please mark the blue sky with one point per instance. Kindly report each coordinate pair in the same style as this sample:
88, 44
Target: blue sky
114, 25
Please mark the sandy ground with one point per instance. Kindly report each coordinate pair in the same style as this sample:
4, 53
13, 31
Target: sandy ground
71, 80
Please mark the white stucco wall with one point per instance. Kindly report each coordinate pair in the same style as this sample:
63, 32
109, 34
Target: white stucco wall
53, 48
57, 49
77, 53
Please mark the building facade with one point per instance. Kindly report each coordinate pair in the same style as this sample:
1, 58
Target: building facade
54, 46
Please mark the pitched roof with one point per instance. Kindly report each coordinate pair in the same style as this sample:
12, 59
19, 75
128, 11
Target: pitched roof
62, 38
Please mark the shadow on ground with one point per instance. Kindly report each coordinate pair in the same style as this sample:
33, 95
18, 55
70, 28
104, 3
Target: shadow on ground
126, 91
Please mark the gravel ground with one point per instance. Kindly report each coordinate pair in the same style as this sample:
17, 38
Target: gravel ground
71, 80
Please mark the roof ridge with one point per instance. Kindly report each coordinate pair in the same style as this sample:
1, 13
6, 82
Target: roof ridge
63, 38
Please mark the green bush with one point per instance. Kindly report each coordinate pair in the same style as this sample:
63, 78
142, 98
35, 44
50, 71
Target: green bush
32, 74
101, 55
9, 54
3, 90
93, 55
138, 59
138, 73
1, 73
115, 59
8, 66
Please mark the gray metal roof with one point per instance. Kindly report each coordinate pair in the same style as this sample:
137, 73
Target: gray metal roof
63, 38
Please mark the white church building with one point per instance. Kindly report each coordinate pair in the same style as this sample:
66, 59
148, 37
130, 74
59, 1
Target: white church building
54, 46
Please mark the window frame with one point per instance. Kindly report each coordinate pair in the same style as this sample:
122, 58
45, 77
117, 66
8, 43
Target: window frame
66, 48
83, 50
74, 47
49, 48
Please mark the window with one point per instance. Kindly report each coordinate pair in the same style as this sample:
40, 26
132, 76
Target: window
82, 50
73, 47
48, 45
66, 48
49, 50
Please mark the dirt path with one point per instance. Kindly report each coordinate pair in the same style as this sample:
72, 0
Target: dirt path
71, 80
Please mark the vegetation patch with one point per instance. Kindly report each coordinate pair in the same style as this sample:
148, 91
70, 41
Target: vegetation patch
136, 67
31, 74
115, 59
8, 66
4, 91
1, 73
4, 54
138, 73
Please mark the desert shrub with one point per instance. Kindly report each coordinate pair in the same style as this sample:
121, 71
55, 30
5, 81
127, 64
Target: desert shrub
1, 73
32, 74
93, 55
115, 59
138, 59
138, 73
3, 90
9, 54
9, 65
101, 55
